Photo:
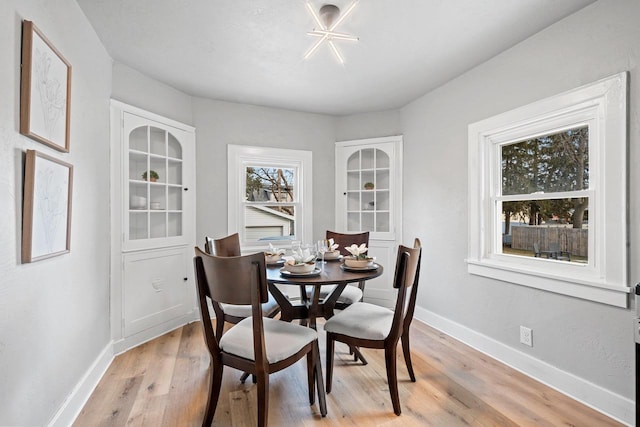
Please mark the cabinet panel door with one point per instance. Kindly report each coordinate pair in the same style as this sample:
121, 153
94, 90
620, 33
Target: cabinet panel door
155, 289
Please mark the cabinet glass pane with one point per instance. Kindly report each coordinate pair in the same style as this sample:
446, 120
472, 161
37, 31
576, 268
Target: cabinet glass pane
382, 179
158, 197
157, 141
353, 180
353, 222
174, 149
158, 224
174, 198
382, 159
368, 221
368, 201
174, 224
159, 166
138, 139
137, 165
367, 158
138, 225
353, 163
382, 200
353, 201
382, 221
174, 172
367, 180
137, 195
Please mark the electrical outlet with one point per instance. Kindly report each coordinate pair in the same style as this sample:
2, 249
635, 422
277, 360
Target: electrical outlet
526, 336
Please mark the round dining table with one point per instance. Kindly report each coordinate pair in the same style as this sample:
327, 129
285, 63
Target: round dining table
331, 273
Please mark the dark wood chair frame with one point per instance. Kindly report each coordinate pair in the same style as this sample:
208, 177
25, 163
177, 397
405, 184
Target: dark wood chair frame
343, 240
228, 246
212, 273
406, 278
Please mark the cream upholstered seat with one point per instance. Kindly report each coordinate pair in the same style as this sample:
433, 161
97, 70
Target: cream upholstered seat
281, 339
367, 325
349, 295
256, 345
362, 320
245, 310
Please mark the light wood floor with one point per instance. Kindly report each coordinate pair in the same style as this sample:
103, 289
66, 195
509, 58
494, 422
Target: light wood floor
163, 383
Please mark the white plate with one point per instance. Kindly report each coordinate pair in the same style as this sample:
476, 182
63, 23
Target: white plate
315, 272
279, 262
374, 266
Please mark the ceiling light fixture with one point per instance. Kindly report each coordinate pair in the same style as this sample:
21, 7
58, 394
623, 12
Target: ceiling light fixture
326, 20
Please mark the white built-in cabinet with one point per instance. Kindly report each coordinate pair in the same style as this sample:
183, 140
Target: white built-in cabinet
153, 220
369, 198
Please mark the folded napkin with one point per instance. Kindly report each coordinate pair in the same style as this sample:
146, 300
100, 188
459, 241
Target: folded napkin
300, 256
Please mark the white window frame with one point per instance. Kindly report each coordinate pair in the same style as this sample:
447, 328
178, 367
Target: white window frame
239, 157
602, 106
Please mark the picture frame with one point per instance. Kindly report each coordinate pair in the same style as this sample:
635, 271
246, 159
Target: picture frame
46, 214
45, 90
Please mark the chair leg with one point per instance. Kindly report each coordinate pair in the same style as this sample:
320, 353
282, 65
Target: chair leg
244, 377
357, 355
215, 384
322, 398
329, 360
263, 399
407, 355
392, 377
310, 376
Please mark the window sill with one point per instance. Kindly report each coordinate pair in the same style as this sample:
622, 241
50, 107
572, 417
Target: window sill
601, 292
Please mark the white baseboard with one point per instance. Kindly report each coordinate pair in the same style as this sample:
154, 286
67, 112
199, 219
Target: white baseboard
611, 404
78, 397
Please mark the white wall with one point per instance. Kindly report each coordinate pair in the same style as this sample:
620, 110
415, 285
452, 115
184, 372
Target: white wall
592, 341
369, 125
134, 88
221, 123
54, 314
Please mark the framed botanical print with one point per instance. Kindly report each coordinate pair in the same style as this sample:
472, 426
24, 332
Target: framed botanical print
46, 213
45, 90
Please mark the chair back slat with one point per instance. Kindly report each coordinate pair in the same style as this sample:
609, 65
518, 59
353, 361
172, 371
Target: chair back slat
411, 304
345, 240
219, 271
406, 273
203, 294
227, 246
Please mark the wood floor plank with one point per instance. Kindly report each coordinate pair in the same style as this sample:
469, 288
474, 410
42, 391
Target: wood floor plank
165, 383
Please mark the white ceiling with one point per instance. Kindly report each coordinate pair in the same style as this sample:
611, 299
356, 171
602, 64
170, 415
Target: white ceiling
250, 51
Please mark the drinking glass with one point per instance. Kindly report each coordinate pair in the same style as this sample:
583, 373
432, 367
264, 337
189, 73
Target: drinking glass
322, 248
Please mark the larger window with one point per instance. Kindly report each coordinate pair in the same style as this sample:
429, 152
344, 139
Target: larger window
269, 195
547, 194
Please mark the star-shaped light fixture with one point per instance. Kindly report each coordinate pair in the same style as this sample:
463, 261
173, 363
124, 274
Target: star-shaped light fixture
327, 23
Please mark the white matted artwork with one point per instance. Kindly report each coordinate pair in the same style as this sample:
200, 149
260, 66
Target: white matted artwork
45, 91
46, 223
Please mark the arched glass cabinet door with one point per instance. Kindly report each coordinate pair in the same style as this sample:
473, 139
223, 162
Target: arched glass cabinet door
154, 188
368, 191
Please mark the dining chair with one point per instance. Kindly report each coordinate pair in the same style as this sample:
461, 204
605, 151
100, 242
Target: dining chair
371, 326
229, 246
258, 345
350, 294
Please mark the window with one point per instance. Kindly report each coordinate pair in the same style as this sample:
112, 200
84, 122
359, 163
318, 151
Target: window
547, 194
269, 195
544, 190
